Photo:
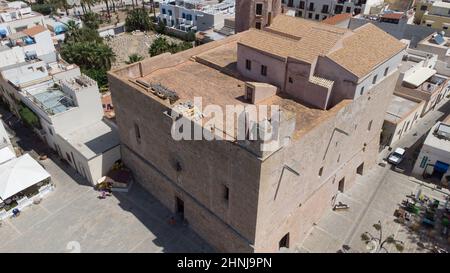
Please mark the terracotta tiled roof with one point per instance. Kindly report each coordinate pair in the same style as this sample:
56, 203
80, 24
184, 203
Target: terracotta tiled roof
34, 30
303, 39
368, 47
294, 26
289, 25
336, 19
358, 51
270, 43
317, 42
392, 15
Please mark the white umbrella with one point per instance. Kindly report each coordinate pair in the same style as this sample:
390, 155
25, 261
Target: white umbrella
20, 173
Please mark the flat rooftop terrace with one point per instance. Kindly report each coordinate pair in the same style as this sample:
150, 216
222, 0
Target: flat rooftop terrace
399, 108
93, 140
49, 98
210, 72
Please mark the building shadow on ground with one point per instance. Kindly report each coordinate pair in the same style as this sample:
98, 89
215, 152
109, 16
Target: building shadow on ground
172, 234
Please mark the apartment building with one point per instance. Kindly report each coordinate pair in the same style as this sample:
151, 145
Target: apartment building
401, 116
398, 24
437, 16
234, 193
437, 43
64, 108
419, 79
16, 16
195, 15
322, 9
434, 157
29, 44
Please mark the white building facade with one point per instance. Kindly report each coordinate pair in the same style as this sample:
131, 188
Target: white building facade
434, 158
68, 107
195, 15
322, 9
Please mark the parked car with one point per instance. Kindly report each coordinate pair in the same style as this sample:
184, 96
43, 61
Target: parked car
397, 156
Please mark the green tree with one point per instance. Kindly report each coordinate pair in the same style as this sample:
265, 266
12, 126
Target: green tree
88, 55
75, 34
377, 243
161, 27
72, 30
92, 20
29, 117
138, 19
60, 4
99, 75
134, 58
161, 45
44, 8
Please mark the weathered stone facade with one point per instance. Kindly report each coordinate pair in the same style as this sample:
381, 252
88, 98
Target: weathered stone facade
262, 208
239, 198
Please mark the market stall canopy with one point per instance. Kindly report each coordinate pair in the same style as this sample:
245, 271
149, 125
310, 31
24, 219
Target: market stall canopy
419, 76
20, 173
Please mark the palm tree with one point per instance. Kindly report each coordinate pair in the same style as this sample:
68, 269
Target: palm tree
377, 243
92, 20
105, 56
60, 4
72, 30
153, 7
134, 58
107, 9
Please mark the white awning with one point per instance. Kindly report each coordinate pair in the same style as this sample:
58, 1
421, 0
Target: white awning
419, 76
20, 173
6, 154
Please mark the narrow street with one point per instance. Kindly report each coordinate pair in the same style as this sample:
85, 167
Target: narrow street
375, 196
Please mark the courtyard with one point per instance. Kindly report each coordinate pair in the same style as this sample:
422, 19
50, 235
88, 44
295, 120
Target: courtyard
126, 44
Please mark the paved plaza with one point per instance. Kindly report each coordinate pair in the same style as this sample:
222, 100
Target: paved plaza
72, 215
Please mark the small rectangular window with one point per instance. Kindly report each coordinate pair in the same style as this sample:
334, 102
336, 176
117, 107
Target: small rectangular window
137, 132
226, 193
258, 25
248, 64
291, 80
321, 171
259, 8
362, 91
374, 81
370, 125
263, 70
386, 71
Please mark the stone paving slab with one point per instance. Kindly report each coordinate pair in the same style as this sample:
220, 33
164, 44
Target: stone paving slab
134, 222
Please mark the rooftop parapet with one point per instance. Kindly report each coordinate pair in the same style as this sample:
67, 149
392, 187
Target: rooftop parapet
78, 83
